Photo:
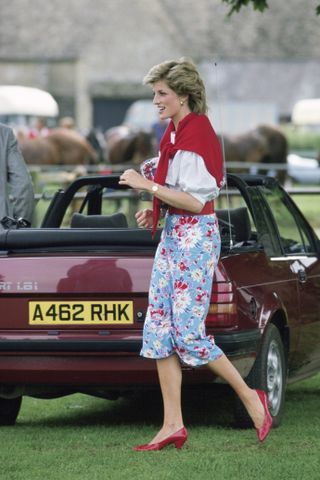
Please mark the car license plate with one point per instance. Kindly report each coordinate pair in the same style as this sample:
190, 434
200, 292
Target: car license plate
81, 313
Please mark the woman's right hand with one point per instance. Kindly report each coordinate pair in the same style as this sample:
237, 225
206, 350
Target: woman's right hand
144, 218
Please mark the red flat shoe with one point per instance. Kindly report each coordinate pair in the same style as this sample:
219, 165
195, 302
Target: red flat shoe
178, 438
263, 431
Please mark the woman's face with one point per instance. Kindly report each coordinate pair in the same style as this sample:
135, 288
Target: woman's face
169, 103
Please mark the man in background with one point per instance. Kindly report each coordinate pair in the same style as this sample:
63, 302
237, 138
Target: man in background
16, 190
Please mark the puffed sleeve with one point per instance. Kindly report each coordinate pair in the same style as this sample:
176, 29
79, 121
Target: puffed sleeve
187, 172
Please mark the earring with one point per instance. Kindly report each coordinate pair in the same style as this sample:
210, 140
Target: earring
181, 102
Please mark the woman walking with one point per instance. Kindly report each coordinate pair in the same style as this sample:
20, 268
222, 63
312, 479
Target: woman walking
188, 176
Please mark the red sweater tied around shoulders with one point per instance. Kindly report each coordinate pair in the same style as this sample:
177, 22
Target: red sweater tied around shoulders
194, 134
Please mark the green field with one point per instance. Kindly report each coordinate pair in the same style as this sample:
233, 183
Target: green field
310, 207
84, 438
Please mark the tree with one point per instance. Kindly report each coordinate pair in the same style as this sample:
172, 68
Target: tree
261, 5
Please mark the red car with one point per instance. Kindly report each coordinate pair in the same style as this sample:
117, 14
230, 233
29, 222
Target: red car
73, 296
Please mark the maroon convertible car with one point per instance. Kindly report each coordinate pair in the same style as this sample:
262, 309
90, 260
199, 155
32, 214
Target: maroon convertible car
73, 295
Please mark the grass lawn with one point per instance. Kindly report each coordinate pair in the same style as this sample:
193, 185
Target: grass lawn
309, 206
84, 438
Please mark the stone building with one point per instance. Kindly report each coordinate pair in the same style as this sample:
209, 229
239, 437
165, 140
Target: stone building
92, 55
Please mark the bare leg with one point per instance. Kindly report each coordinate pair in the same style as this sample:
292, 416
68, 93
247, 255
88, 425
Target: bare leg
170, 377
224, 368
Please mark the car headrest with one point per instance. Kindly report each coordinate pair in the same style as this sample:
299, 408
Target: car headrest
117, 220
240, 222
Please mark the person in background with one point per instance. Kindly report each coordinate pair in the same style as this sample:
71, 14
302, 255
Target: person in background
158, 129
39, 129
16, 189
188, 176
67, 122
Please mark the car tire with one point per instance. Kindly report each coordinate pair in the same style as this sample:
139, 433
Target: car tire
9, 410
269, 374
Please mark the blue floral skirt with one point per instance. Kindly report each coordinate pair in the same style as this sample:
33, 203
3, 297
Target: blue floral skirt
180, 291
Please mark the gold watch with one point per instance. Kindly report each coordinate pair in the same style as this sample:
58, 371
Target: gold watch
155, 188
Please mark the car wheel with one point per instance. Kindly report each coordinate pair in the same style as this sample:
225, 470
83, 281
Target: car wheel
269, 374
9, 410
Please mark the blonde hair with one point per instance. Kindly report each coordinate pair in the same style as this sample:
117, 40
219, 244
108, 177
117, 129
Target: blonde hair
184, 79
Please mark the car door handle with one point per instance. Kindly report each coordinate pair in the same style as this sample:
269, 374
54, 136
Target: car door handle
302, 275
299, 270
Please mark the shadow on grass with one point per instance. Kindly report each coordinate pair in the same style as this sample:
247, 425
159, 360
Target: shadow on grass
201, 407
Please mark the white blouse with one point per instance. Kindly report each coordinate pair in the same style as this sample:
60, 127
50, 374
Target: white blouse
187, 172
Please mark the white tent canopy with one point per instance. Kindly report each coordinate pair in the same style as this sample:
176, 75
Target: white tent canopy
17, 100
306, 112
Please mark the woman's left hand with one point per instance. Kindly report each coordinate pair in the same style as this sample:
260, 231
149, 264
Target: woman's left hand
133, 179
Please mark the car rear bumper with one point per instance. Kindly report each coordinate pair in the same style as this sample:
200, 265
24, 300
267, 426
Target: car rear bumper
230, 343
109, 363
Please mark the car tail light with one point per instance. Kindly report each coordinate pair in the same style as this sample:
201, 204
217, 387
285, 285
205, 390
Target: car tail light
222, 309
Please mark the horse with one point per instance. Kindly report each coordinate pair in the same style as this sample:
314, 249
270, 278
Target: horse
60, 147
263, 144
127, 145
